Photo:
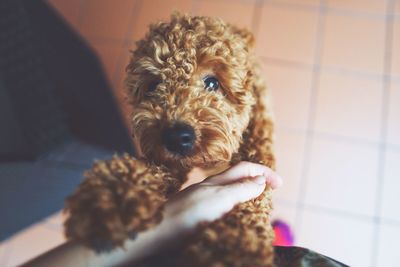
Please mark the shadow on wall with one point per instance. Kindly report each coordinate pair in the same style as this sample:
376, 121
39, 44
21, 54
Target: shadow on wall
57, 113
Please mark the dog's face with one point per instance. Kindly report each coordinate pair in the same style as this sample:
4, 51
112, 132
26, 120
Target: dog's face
191, 86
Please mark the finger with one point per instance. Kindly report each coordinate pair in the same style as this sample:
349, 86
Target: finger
246, 189
225, 199
245, 169
275, 181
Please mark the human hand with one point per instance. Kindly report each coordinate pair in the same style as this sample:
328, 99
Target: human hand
205, 201
210, 199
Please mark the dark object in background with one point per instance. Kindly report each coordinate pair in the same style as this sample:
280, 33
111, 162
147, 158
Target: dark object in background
31, 117
284, 257
57, 113
55, 84
303, 257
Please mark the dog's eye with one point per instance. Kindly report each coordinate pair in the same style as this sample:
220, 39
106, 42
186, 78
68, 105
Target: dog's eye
152, 86
211, 83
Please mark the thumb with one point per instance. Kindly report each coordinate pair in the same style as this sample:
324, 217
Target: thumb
246, 169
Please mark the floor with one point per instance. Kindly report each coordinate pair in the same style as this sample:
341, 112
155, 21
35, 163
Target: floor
334, 71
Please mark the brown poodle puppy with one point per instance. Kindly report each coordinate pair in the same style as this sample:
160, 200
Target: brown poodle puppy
198, 101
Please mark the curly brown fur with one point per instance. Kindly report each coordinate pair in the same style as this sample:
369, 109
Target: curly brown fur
165, 86
117, 199
244, 236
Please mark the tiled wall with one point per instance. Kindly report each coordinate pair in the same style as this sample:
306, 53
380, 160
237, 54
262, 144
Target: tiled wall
333, 67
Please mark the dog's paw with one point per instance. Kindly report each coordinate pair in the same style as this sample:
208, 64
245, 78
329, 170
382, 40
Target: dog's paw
117, 199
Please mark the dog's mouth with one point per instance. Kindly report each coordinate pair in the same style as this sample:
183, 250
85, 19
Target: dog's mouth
184, 144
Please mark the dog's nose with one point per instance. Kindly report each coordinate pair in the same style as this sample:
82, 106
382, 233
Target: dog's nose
179, 139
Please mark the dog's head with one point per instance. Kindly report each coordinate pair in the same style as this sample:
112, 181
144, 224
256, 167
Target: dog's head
190, 82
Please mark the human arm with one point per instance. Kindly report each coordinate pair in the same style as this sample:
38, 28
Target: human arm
205, 201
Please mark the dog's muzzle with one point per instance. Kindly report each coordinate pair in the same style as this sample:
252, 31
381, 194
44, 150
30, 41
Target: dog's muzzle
179, 139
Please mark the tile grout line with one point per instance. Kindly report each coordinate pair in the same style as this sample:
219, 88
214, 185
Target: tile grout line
195, 6
81, 10
352, 215
328, 68
346, 139
119, 69
123, 42
336, 212
357, 72
339, 138
294, 5
286, 62
267, 60
389, 28
256, 18
330, 10
108, 40
311, 115
355, 14
340, 213
137, 6
282, 63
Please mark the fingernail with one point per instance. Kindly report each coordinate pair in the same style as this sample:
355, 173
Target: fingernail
261, 180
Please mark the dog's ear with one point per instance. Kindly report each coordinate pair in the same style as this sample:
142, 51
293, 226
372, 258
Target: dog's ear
257, 142
245, 34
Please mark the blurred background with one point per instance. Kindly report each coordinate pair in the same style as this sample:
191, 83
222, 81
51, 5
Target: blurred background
333, 67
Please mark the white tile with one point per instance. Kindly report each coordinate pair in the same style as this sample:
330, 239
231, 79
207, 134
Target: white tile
388, 249
289, 150
295, 3
354, 42
349, 105
391, 186
290, 90
342, 176
229, 13
393, 133
154, 11
344, 239
32, 242
376, 7
290, 96
103, 18
397, 8
286, 33
285, 212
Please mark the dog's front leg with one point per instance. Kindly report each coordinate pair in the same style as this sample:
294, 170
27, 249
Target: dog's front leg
117, 199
